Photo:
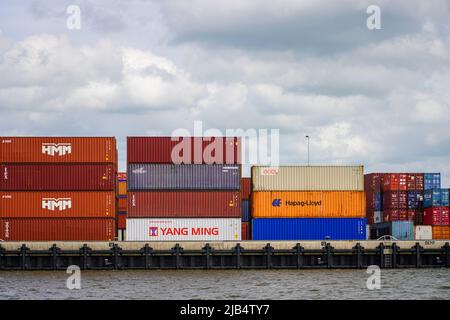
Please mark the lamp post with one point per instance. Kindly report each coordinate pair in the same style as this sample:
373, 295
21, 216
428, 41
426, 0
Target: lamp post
307, 137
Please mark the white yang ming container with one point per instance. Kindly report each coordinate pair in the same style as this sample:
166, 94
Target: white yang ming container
167, 229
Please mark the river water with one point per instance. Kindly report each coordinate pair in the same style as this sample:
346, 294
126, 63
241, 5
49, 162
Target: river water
232, 284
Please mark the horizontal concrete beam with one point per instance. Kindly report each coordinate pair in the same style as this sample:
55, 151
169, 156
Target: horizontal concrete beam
222, 245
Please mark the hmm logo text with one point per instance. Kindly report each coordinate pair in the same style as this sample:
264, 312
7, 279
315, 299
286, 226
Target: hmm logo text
53, 149
290, 203
53, 204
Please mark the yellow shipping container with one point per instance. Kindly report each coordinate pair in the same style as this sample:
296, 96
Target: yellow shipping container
122, 188
308, 204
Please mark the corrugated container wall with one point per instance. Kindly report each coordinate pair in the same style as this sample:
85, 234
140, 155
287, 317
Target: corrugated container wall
308, 229
245, 210
436, 216
402, 230
436, 198
432, 181
99, 204
57, 229
314, 204
441, 232
246, 231
188, 150
56, 177
58, 149
184, 204
305, 178
246, 188
184, 177
423, 233
165, 229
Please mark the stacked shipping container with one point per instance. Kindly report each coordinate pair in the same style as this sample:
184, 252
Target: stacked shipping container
57, 188
308, 203
122, 205
183, 189
397, 201
246, 185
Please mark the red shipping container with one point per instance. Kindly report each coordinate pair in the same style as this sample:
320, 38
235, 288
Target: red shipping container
121, 220
436, 216
122, 205
184, 204
395, 200
395, 182
415, 181
58, 177
197, 150
412, 215
246, 188
373, 182
395, 215
58, 149
57, 229
245, 235
97, 204
370, 216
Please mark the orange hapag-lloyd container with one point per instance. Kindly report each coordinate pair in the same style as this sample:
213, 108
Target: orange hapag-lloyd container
308, 204
69, 204
58, 150
441, 232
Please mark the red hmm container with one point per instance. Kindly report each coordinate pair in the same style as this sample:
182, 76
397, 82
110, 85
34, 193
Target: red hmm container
196, 150
436, 216
57, 177
69, 204
184, 204
415, 181
245, 235
395, 200
246, 188
57, 229
395, 182
58, 149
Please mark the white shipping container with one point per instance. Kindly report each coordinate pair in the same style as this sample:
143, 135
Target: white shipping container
166, 229
367, 232
378, 216
423, 233
308, 178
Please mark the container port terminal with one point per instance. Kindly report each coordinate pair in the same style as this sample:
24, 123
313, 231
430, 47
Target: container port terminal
224, 255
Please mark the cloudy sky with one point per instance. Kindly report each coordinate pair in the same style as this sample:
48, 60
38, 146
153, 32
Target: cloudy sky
375, 97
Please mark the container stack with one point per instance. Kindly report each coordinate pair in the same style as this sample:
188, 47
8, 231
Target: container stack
408, 203
246, 186
308, 203
179, 189
57, 189
436, 207
122, 205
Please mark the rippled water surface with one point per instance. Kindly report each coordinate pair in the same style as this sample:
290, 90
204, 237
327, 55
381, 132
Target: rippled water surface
234, 284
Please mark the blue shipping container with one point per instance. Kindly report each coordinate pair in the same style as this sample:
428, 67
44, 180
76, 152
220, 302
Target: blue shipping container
378, 202
309, 229
245, 211
432, 181
436, 198
402, 230
184, 177
415, 198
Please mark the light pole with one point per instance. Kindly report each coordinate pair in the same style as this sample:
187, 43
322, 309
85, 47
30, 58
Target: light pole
307, 137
